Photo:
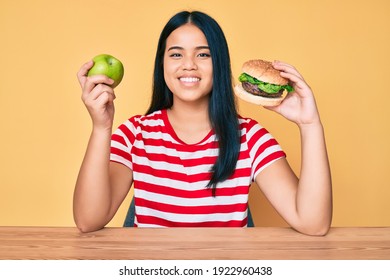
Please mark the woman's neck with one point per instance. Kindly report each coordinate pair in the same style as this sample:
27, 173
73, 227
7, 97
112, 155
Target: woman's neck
191, 123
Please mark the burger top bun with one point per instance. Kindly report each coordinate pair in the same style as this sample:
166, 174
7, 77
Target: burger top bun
256, 99
263, 71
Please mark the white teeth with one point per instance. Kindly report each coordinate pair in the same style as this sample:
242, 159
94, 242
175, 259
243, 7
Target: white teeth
189, 79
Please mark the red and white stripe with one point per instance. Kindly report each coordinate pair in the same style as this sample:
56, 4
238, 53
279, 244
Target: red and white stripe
170, 176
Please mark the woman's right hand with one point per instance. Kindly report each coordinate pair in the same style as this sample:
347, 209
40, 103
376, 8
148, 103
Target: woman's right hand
97, 96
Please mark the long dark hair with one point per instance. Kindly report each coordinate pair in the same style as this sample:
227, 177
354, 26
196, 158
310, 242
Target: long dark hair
222, 108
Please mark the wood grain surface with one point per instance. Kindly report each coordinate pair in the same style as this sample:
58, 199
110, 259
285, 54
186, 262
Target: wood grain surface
192, 243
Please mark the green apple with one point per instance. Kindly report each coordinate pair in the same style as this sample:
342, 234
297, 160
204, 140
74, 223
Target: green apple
105, 64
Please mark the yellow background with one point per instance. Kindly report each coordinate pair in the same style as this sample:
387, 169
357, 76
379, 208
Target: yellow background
341, 47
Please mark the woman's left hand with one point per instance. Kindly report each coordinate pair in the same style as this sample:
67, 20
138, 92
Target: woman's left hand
299, 106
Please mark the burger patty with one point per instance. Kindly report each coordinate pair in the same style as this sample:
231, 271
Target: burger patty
254, 89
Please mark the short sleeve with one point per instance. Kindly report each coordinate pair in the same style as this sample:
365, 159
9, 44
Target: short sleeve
263, 147
122, 141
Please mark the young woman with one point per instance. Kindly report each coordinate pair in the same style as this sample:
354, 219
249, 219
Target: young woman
191, 157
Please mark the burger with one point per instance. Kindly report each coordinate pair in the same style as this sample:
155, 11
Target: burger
261, 84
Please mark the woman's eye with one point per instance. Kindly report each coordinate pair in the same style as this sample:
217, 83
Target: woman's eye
175, 55
204, 55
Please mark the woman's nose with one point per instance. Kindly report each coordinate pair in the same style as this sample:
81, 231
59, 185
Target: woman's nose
189, 63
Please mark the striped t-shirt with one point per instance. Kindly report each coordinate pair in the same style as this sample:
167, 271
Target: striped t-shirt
170, 176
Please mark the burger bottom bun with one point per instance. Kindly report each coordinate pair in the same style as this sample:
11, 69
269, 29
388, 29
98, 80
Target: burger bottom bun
256, 99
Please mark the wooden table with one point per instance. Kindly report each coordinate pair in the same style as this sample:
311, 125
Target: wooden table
192, 243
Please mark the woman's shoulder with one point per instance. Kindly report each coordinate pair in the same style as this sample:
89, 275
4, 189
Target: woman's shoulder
146, 120
138, 123
248, 123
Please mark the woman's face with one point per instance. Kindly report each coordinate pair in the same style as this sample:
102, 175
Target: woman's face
188, 69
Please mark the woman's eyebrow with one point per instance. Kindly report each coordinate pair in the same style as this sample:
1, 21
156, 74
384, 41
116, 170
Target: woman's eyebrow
181, 48
202, 47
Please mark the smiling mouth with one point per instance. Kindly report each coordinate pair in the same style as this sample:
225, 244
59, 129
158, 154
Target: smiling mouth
189, 79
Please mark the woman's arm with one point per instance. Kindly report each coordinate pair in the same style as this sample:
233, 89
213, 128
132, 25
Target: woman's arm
305, 203
101, 186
